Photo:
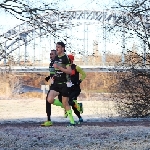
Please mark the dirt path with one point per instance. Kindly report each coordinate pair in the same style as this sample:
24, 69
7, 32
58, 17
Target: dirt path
101, 124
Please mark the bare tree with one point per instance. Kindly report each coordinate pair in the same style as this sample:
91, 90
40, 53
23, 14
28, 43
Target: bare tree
22, 10
136, 19
132, 88
33, 15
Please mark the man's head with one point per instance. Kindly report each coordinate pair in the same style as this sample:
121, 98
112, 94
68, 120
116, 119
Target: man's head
60, 48
53, 54
71, 57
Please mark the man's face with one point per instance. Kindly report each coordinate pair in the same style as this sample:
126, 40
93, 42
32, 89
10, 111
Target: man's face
59, 49
52, 55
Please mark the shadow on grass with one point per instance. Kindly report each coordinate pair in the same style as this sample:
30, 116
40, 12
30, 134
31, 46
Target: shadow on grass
88, 121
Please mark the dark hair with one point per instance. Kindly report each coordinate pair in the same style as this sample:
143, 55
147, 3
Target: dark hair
54, 51
62, 44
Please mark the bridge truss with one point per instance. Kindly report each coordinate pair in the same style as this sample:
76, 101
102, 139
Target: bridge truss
60, 26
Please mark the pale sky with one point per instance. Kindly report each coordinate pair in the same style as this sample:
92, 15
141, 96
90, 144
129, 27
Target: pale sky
8, 21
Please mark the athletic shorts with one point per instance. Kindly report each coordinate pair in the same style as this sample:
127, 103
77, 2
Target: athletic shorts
61, 88
72, 95
51, 86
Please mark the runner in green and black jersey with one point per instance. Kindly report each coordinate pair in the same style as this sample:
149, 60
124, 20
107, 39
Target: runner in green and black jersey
50, 77
61, 80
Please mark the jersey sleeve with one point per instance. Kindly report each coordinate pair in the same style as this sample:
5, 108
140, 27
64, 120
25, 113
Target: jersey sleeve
83, 74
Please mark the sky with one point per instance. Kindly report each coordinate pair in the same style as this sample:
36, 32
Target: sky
59, 4
112, 46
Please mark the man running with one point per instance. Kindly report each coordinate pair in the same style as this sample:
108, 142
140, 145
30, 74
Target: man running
50, 77
75, 88
61, 77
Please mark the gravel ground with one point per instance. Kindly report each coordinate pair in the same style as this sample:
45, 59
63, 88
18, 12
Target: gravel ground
20, 128
75, 138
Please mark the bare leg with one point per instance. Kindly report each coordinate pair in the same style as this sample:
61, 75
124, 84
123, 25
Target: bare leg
65, 103
68, 109
51, 95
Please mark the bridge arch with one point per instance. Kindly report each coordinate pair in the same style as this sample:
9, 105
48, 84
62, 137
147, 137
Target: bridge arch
52, 22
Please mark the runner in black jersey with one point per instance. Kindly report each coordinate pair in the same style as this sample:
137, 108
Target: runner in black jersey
56, 101
61, 80
50, 77
75, 89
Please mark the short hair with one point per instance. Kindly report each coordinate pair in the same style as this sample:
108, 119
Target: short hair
54, 51
61, 43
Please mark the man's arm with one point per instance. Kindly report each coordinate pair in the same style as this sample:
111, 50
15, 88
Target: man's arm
83, 74
66, 70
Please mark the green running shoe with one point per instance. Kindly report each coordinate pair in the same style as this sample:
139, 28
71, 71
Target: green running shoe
47, 124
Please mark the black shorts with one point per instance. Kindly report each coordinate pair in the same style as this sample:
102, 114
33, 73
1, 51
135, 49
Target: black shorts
61, 88
73, 94
51, 86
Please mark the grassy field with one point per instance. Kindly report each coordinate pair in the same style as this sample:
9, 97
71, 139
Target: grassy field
15, 134
34, 109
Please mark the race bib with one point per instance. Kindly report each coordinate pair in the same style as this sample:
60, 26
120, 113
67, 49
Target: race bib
69, 84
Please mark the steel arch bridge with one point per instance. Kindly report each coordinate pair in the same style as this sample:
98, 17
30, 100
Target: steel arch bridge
52, 22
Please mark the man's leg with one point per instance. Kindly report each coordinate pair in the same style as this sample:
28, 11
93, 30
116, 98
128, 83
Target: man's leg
58, 102
48, 109
51, 97
52, 94
65, 99
68, 109
49, 100
78, 114
72, 98
48, 112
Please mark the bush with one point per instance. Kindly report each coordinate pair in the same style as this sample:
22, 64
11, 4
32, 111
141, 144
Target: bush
133, 94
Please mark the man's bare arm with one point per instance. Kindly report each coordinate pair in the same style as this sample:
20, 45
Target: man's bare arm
66, 70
